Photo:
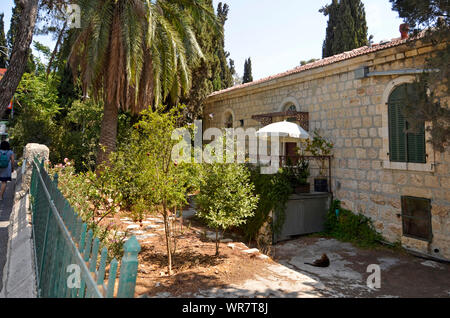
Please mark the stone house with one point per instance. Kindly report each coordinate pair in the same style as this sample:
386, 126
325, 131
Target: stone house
353, 98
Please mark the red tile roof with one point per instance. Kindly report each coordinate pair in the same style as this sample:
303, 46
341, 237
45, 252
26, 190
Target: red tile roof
320, 63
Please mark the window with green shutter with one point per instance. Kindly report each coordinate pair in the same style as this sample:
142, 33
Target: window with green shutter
403, 146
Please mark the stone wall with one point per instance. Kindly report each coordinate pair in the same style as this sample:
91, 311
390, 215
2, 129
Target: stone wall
30, 151
352, 113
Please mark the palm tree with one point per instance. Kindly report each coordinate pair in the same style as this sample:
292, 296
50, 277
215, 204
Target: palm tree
134, 54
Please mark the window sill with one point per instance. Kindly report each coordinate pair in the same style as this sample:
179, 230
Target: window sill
407, 166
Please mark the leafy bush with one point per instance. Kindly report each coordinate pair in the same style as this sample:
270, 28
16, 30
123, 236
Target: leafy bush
91, 197
35, 110
273, 192
297, 174
81, 133
347, 226
226, 197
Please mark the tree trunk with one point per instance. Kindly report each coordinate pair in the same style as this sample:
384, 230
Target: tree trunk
19, 55
108, 132
167, 232
217, 242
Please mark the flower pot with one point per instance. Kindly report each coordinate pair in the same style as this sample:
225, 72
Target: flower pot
320, 185
303, 188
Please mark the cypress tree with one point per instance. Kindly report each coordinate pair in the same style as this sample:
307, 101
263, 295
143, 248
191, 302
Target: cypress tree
3, 44
248, 77
11, 36
213, 73
347, 26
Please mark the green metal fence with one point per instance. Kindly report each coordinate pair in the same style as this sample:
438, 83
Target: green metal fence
66, 253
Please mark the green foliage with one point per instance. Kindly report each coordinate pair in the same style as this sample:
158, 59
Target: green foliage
347, 26
143, 168
45, 51
318, 146
273, 192
36, 109
91, 196
355, 228
421, 13
308, 61
3, 44
145, 176
212, 73
296, 174
81, 132
248, 77
226, 196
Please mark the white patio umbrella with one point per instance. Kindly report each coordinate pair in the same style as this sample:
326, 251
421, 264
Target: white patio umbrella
285, 130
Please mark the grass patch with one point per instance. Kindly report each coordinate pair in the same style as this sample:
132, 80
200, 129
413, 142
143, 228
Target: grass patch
346, 226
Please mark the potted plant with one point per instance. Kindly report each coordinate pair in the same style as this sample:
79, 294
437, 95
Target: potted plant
320, 147
297, 175
302, 174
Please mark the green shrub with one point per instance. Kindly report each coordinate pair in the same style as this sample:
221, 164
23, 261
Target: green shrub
81, 134
347, 226
35, 108
273, 192
91, 197
226, 196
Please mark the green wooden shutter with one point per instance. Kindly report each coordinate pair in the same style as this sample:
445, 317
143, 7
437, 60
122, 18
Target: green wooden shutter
404, 147
416, 147
397, 126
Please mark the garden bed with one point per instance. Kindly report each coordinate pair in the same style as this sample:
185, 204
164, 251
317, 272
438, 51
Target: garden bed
195, 266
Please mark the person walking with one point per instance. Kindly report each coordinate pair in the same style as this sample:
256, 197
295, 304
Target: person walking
6, 166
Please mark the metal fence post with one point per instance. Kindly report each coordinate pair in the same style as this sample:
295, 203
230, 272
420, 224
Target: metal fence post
128, 269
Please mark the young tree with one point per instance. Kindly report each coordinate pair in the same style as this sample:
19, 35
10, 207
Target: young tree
145, 164
430, 104
226, 197
248, 77
347, 26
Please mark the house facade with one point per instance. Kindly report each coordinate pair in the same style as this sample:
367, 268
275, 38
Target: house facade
354, 100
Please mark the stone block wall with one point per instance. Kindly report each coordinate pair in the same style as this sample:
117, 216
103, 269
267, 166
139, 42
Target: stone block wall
352, 113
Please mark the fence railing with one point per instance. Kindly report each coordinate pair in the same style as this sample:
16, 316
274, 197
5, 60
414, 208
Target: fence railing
66, 253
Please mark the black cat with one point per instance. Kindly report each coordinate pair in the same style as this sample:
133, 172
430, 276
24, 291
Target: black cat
324, 261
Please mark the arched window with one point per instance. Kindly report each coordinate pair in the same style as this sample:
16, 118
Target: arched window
290, 108
404, 146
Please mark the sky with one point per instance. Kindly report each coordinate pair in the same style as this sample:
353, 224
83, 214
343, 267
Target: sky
277, 35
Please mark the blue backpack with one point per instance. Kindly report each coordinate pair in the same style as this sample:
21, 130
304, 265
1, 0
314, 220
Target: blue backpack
4, 160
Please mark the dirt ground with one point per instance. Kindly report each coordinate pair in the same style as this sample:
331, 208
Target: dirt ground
242, 271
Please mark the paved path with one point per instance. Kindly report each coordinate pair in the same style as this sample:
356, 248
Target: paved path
5, 212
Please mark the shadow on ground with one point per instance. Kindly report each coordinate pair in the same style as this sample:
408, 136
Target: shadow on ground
402, 275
